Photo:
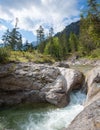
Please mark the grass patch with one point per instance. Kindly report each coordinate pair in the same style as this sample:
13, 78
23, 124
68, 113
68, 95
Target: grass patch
95, 54
23, 56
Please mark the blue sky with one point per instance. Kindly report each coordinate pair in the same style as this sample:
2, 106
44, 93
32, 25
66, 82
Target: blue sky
33, 13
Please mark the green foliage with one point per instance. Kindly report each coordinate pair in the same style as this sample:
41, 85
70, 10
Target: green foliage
4, 55
64, 45
95, 53
41, 40
40, 34
6, 37
59, 47
53, 48
41, 46
28, 46
90, 28
26, 56
73, 41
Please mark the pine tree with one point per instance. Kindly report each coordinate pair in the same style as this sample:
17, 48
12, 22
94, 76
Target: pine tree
28, 46
73, 41
13, 38
64, 45
5, 38
40, 35
90, 28
51, 32
94, 21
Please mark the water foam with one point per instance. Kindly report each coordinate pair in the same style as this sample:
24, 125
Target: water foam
56, 119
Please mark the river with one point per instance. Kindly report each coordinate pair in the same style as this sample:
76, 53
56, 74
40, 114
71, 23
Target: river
42, 116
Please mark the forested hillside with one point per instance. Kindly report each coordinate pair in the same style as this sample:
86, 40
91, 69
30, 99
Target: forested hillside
79, 39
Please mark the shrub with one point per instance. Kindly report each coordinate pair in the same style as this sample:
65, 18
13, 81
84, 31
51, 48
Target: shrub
95, 53
4, 55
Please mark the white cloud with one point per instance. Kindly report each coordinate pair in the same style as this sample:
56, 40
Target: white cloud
33, 13
1, 42
2, 27
23, 39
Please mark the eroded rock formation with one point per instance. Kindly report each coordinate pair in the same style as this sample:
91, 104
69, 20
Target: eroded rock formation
28, 82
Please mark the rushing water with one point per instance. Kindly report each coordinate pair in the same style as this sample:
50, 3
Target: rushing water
41, 117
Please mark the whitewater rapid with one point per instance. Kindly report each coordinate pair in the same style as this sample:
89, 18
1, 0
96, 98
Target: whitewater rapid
42, 117
56, 119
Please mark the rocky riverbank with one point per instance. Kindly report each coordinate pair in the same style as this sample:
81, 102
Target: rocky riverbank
82, 61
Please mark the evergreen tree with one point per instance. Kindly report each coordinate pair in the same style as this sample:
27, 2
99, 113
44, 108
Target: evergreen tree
13, 38
19, 44
40, 35
5, 38
53, 48
28, 46
40, 39
41, 46
90, 28
51, 32
73, 41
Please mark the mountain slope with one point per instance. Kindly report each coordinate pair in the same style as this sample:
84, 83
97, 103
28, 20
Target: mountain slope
73, 27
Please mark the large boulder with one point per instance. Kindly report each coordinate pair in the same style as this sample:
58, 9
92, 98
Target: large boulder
26, 76
58, 92
93, 85
23, 82
74, 78
29, 82
55, 93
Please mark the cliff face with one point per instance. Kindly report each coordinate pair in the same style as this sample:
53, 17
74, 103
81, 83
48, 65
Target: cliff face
89, 118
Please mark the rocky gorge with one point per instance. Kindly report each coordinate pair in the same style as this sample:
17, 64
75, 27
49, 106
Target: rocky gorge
36, 83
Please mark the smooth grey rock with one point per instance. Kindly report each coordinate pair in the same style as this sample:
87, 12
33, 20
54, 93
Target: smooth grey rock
88, 119
23, 82
29, 82
55, 93
61, 64
74, 78
93, 85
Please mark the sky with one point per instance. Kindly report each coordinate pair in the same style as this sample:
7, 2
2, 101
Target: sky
31, 14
